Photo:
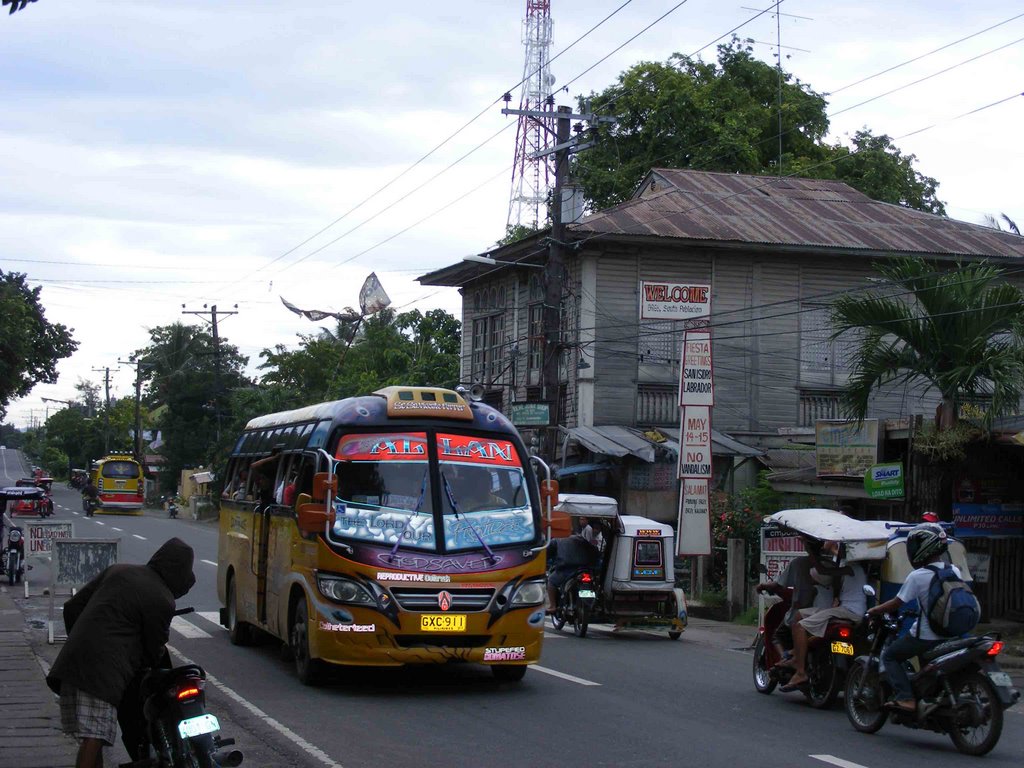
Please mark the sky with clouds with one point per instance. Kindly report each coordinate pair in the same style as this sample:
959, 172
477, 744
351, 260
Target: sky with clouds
154, 154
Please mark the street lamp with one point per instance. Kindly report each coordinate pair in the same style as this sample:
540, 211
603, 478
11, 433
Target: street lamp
495, 263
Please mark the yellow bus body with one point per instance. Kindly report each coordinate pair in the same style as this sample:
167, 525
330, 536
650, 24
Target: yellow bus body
118, 477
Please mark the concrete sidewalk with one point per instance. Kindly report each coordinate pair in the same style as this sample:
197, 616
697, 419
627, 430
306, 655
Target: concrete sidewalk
30, 734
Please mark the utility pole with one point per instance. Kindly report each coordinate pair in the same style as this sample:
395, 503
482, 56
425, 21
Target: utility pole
106, 409
212, 312
137, 449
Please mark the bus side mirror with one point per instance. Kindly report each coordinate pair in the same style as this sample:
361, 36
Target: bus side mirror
548, 496
324, 482
311, 518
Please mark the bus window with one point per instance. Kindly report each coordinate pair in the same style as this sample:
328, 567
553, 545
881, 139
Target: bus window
303, 439
483, 495
384, 487
120, 469
319, 437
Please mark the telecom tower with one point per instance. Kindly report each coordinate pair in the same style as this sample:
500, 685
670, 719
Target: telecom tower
532, 175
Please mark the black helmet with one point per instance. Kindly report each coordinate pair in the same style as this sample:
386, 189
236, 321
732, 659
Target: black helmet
924, 542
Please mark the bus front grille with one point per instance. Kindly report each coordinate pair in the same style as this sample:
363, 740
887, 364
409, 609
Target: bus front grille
427, 601
442, 641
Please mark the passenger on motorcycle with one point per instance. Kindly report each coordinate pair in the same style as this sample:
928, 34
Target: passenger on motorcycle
850, 604
117, 624
90, 493
565, 557
926, 543
807, 593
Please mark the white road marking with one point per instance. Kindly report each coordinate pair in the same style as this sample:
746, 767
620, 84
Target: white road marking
187, 628
73, 512
213, 617
98, 522
554, 636
563, 675
115, 528
284, 730
838, 761
139, 537
209, 562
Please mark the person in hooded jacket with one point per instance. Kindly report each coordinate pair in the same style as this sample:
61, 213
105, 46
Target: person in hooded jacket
117, 624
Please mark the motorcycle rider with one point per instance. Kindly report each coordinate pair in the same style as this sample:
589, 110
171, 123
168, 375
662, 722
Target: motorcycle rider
809, 591
91, 496
117, 624
926, 543
565, 557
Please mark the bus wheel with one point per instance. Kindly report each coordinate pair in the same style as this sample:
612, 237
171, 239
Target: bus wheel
239, 632
506, 674
310, 671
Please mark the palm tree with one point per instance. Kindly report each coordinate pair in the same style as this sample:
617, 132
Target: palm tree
959, 331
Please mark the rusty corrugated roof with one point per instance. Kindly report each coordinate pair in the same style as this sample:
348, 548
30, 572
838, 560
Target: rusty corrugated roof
725, 207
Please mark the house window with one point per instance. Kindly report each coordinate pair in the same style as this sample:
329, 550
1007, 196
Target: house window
535, 346
488, 348
659, 342
822, 358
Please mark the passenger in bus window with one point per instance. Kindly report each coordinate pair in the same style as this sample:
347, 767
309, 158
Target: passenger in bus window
291, 488
264, 471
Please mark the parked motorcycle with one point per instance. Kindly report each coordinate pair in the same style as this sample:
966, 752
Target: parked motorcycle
14, 556
576, 601
960, 690
828, 658
176, 731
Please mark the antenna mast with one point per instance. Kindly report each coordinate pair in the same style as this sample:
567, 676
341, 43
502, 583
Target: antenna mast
532, 175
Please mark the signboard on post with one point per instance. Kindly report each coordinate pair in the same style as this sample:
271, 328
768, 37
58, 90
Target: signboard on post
76, 562
696, 379
845, 448
674, 301
530, 414
884, 481
694, 534
41, 535
695, 442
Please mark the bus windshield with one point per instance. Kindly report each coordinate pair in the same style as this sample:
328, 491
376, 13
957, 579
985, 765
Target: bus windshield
386, 483
120, 469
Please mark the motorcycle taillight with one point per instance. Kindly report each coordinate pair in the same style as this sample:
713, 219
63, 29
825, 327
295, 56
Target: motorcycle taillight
586, 578
189, 691
996, 649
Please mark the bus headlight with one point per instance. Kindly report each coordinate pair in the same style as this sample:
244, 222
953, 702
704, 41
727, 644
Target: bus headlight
342, 590
529, 593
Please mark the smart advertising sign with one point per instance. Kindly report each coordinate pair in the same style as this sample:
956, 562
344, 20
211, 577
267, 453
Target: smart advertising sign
884, 481
674, 301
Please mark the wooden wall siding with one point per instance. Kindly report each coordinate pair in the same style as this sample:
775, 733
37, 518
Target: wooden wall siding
776, 373
615, 348
733, 357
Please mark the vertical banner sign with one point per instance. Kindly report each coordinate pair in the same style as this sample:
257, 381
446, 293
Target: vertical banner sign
695, 442
696, 378
694, 537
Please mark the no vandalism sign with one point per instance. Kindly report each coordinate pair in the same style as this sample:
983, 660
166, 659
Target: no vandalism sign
42, 534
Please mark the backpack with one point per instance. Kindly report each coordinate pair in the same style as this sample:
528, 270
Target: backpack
951, 606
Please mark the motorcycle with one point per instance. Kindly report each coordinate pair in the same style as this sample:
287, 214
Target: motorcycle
576, 600
89, 505
172, 508
14, 556
176, 731
828, 657
960, 689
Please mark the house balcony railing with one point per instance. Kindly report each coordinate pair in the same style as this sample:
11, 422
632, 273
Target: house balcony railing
657, 404
818, 404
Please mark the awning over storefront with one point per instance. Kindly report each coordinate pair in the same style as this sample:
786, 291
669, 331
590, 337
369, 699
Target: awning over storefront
619, 441
581, 469
202, 477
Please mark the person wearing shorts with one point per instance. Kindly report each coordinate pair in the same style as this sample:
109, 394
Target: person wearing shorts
117, 625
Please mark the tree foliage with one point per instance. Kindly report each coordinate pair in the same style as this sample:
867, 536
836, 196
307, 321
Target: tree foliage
959, 331
724, 116
30, 346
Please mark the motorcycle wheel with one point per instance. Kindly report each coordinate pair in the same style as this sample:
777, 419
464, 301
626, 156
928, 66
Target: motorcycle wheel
763, 681
863, 699
200, 752
558, 617
580, 619
977, 739
310, 671
12, 567
824, 680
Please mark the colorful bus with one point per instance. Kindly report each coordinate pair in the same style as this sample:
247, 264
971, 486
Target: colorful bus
402, 527
118, 478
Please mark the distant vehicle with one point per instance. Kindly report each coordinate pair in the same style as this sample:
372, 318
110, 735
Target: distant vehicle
3, 447
118, 478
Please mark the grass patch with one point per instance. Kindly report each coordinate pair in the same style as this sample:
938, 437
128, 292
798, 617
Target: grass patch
748, 617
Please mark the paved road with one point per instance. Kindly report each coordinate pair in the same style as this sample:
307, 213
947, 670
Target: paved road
634, 699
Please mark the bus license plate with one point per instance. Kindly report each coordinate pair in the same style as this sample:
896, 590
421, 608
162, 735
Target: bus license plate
587, 593
846, 649
119, 483
443, 622
1001, 679
197, 726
